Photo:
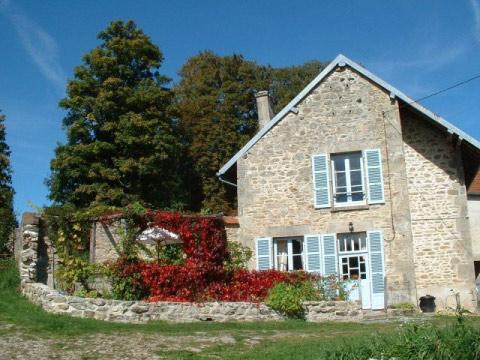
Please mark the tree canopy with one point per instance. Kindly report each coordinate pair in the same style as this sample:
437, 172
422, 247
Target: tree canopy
131, 138
217, 114
121, 141
7, 217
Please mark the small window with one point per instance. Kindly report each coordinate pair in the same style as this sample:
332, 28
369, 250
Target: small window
348, 178
352, 242
288, 254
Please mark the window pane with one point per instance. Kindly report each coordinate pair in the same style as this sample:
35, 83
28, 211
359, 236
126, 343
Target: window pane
344, 260
362, 267
355, 159
353, 273
297, 262
297, 246
341, 198
353, 262
345, 269
338, 162
340, 179
356, 178
357, 197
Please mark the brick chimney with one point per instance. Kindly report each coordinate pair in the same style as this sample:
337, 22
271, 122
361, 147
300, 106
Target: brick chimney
264, 108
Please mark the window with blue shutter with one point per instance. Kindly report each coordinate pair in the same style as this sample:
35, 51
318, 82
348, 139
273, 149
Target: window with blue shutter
373, 163
313, 253
377, 268
321, 181
263, 253
329, 251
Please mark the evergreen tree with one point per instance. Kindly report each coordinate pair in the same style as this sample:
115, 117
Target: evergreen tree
217, 115
7, 217
121, 142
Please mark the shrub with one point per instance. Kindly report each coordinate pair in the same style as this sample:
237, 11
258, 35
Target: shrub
245, 285
238, 256
332, 288
126, 280
287, 298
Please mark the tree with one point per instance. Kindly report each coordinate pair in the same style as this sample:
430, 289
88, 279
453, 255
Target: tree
287, 82
217, 115
7, 217
121, 142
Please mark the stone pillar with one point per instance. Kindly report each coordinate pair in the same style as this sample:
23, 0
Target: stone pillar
30, 229
264, 108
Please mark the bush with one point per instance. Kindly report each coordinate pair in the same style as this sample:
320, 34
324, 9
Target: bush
126, 280
239, 256
287, 298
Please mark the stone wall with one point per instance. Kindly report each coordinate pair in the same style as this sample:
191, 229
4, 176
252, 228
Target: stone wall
344, 113
139, 311
474, 220
438, 203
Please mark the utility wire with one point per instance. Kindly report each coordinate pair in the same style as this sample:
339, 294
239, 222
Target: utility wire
447, 89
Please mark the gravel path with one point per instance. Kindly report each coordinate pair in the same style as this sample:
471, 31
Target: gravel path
16, 344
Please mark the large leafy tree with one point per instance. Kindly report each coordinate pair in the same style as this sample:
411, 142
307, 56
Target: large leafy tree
121, 142
217, 112
287, 82
7, 217
217, 115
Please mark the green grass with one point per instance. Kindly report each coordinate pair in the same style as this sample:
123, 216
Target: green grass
441, 338
17, 310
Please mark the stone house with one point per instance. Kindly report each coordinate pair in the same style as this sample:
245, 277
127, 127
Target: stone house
354, 178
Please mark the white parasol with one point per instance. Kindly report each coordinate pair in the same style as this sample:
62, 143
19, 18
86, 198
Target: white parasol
156, 235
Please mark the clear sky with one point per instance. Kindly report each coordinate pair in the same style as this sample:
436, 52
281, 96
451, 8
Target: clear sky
418, 46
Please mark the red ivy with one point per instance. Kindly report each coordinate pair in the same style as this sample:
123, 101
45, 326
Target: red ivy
203, 276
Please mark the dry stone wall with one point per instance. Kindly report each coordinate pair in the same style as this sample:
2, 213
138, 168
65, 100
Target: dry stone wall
139, 312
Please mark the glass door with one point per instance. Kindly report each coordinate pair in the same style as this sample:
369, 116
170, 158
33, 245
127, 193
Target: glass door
353, 270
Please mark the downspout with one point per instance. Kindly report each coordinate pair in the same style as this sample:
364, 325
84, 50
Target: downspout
225, 181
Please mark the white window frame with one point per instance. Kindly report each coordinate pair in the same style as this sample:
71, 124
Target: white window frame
349, 201
351, 252
289, 252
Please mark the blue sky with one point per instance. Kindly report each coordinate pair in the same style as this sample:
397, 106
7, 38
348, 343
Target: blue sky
418, 46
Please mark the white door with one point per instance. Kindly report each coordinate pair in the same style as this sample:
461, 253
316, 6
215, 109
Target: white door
354, 270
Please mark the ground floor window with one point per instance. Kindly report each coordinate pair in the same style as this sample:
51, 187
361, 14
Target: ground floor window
288, 254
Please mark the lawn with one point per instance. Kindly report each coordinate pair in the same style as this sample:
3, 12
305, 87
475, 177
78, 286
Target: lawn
28, 331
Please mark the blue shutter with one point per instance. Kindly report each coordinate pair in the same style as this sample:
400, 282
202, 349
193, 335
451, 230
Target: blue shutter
373, 162
321, 181
329, 250
263, 253
377, 268
313, 253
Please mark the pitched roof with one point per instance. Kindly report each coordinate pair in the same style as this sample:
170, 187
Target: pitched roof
342, 60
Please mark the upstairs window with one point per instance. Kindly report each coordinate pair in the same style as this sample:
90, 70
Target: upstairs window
348, 178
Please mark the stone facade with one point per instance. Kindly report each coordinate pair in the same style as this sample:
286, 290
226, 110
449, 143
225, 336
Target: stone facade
438, 207
347, 112
474, 219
